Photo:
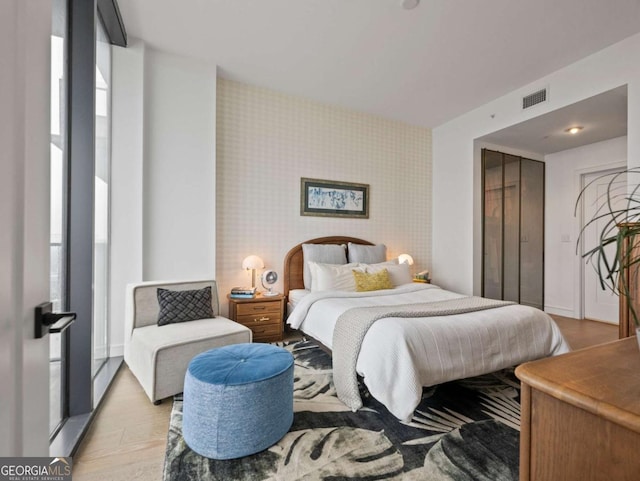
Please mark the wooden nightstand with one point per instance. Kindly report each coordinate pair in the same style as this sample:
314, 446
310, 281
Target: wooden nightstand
263, 315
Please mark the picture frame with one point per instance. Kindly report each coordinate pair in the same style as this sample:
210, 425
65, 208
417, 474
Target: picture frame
333, 198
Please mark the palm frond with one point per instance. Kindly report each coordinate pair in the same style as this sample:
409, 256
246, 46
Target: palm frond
438, 421
502, 408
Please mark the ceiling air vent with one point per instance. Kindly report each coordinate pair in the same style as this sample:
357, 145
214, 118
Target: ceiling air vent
534, 99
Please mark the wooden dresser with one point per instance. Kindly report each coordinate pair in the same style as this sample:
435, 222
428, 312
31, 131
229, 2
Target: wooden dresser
263, 315
581, 415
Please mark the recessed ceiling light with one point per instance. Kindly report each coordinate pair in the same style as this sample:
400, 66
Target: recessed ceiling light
574, 130
409, 4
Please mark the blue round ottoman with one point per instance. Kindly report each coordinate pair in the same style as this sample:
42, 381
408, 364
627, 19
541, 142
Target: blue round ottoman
238, 400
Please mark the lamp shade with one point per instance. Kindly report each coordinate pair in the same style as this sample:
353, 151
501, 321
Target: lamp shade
252, 262
405, 259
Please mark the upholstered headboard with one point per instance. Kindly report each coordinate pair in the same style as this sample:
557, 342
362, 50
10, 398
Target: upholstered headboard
294, 263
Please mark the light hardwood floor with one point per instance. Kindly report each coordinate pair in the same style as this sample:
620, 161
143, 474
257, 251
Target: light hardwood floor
127, 438
585, 333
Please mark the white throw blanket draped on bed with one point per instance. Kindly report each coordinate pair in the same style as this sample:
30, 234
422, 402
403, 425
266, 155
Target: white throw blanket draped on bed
352, 326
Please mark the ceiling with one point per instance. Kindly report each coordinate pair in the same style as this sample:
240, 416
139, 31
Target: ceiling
423, 66
601, 117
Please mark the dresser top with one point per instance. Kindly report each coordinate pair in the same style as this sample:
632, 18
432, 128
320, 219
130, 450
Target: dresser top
603, 380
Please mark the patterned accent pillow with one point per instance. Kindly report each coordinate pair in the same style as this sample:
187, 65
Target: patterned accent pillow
182, 306
372, 282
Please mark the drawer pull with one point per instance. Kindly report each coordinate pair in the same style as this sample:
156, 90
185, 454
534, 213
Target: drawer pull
259, 308
262, 319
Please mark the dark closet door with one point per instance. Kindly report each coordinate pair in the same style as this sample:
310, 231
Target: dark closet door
532, 234
513, 228
492, 175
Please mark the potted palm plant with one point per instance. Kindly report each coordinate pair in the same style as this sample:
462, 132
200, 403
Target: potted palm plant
615, 255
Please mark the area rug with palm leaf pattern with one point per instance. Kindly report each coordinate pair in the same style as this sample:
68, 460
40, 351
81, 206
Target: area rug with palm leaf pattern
462, 430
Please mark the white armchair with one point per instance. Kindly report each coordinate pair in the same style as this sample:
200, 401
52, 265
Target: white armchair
159, 355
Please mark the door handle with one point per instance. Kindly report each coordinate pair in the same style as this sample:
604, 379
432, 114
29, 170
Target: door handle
48, 321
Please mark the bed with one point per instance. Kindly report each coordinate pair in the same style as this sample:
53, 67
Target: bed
400, 354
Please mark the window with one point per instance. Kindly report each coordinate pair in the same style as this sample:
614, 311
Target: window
101, 200
58, 409
80, 162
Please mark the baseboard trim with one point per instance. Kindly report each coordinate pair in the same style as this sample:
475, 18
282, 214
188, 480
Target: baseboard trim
560, 311
116, 350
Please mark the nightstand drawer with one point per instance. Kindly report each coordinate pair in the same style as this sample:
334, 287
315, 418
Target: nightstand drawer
266, 333
258, 308
263, 319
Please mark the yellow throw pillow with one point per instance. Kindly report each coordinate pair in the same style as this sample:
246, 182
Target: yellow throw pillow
372, 282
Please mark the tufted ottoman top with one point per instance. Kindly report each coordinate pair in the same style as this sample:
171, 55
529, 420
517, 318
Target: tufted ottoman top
238, 364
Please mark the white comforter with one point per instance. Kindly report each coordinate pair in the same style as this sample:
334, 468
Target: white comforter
400, 355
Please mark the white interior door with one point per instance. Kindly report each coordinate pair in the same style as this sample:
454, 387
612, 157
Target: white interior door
25, 29
600, 305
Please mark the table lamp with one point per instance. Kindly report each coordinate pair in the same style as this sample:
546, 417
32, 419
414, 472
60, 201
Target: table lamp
405, 259
252, 263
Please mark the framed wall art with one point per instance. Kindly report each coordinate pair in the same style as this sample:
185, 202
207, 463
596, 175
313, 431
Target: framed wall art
333, 198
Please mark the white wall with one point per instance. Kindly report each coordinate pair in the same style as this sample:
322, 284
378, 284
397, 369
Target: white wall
267, 141
127, 154
456, 175
163, 172
562, 265
179, 168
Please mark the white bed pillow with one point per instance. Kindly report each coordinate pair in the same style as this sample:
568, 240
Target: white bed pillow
399, 274
323, 253
367, 254
380, 265
295, 295
332, 277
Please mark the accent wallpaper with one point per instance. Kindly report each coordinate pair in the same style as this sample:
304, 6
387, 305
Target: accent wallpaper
268, 141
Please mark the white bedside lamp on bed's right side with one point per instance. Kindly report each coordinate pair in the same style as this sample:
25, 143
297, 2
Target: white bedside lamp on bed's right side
405, 259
